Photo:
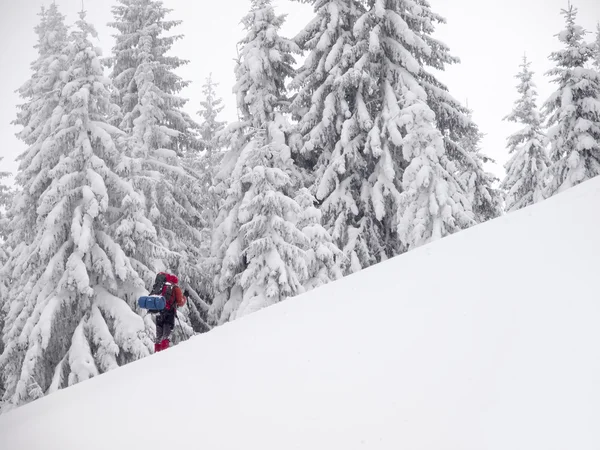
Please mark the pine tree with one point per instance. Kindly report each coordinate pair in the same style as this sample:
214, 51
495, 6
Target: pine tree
41, 94
597, 46
461, 135
573, 111
211, 107
208, 163
40, 90
382, 130
258, 249
362, 88
66, 319
331, 138
161, 228
4, 255
432, 198
486, 201
5, 196
142, 72
323, 257
320, 106
525, 170
395, 36
273, 244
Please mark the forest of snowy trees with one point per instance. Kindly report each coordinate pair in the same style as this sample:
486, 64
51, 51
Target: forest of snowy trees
348, 150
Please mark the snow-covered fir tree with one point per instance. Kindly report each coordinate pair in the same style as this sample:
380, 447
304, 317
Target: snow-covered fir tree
4, 254
378, 98
41, 94
258, 248
206, 164
597, 48
5, 199
485, 199
40, 90
393, 37
432, 199
462, 137
326, 151
573, 111
161, 228
210, 129
139, 57
67, 320
319, 104
524, 181
272, 243
210, 108
323, 256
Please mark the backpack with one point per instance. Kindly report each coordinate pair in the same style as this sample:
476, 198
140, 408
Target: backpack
173, 296
160, 283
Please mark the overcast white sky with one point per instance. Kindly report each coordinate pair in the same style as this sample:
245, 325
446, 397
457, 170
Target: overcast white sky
489, 36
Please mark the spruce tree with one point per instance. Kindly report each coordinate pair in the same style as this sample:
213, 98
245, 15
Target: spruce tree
161, 228
597, 48
383, 129
326, 149
142, 72
211, 107
319, 105
432, 199
210, 130
524, 181
4, 255
322, 255
5, 200
366, 78
394, 37
486, 200
207, 164
67, 320
462, 137
258, 248
41, 94
573, 111
40, 91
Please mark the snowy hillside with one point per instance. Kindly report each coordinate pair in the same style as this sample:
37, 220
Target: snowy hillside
493, 344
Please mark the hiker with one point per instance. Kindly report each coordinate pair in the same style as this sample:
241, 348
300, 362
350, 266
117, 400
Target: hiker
166, 285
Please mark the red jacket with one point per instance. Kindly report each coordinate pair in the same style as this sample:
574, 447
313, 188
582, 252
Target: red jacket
176, 297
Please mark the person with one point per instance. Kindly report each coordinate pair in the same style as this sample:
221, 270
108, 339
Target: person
165, 320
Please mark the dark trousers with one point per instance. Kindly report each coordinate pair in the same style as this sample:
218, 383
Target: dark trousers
165, 322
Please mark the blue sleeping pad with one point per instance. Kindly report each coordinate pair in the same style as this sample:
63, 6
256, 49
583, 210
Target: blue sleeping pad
153, 302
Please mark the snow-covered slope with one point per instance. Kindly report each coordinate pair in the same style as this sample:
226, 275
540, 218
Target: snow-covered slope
488, 339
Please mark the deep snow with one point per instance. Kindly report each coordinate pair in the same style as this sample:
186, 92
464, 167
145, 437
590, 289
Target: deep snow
488, 339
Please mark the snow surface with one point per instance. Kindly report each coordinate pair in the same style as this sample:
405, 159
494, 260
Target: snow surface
487, 339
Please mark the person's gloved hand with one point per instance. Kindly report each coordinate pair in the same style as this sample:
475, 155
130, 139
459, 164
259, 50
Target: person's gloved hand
186, 293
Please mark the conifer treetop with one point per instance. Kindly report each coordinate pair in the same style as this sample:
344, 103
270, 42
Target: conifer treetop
51, 31
211, 107
573, 110
39, 91
525, 108
576, 52
139, 57
265, 62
